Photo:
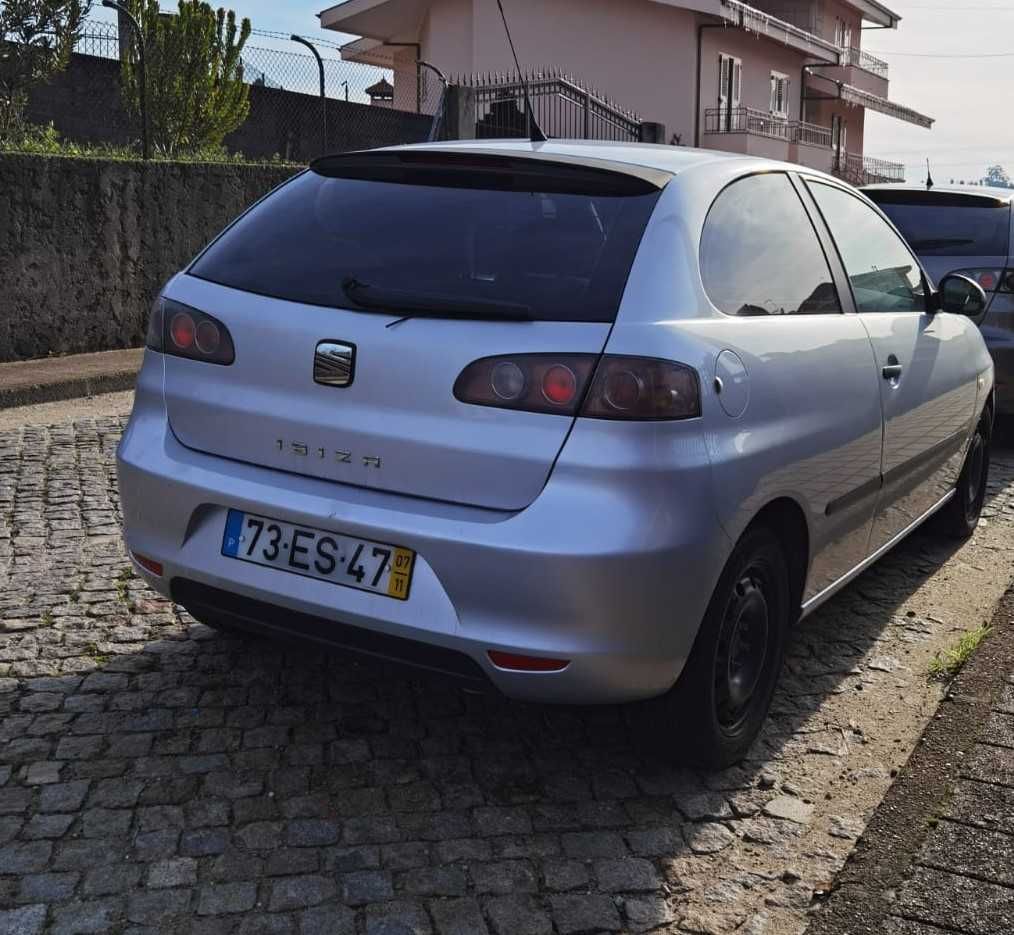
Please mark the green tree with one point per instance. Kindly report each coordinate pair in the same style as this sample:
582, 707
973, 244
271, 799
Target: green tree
997, 177
36, 41
196, 93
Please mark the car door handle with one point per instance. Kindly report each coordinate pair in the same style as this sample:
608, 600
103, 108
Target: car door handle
893, 370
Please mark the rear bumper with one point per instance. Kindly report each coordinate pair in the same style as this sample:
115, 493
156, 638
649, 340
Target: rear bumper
611, 567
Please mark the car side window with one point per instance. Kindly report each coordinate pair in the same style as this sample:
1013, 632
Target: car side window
885, 276
760, 254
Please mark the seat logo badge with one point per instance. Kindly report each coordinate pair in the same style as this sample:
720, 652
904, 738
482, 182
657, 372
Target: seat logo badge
334, 364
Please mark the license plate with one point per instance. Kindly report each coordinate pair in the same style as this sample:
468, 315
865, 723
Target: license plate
315, 553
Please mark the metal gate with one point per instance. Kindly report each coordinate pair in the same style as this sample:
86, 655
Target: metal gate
563, 108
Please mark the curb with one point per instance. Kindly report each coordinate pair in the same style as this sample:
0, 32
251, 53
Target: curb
28, 383
69, 389
862, 896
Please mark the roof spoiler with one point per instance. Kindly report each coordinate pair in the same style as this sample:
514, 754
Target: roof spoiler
507, 169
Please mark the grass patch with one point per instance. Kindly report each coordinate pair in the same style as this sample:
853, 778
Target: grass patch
950, 662
36, 140
122, 590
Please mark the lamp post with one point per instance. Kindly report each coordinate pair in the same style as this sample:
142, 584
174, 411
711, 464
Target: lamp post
139, 35
323, 96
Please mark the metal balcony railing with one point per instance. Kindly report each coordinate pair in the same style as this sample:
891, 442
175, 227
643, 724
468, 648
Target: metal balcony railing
759, 123
748, 120
867, 170
813, 135
862, 59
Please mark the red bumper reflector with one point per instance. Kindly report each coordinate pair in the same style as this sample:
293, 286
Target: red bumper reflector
148, 564
526, 663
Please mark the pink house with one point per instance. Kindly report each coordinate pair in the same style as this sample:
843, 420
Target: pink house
782, 78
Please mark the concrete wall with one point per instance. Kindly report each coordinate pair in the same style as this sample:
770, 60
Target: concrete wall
290, 125
85, 245
84, 105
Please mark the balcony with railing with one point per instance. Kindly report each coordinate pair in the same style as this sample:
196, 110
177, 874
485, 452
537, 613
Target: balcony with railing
857, 68
867, 170
749, 131
860, 58
756, 133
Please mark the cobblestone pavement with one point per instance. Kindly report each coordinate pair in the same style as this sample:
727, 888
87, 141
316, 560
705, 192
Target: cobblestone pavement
155, 776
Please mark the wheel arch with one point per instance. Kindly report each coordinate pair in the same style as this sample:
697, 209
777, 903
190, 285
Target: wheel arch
989, 414
787, 519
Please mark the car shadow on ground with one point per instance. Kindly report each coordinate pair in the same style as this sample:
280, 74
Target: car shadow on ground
408, 757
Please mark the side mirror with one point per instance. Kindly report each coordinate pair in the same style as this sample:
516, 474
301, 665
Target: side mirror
960, 295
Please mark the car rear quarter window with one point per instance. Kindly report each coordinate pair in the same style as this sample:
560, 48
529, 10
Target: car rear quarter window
948, 223
557, 244
760, 254
884, 275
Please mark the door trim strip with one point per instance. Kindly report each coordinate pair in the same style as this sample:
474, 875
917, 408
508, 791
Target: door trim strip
814, 602
853, 497
940, 452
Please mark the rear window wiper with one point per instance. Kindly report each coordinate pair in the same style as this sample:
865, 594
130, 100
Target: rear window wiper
433, 305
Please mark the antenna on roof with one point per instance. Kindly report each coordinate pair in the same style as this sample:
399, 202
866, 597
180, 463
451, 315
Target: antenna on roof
534, 130
929, 176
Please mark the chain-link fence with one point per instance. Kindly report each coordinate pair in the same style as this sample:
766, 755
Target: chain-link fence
363, 105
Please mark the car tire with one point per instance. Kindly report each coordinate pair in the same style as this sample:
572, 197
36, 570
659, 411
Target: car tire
713, 714
960, 517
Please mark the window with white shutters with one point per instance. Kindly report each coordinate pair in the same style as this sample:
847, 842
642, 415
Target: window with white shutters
730, 88
779, 94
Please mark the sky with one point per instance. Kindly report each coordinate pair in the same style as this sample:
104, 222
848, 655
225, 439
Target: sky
968, 95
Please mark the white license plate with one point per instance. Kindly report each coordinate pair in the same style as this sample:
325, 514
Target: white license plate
316, 553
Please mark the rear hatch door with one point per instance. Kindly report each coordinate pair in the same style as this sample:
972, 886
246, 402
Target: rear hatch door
415, 267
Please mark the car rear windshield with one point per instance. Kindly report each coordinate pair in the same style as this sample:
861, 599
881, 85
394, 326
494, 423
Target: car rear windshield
489, 238
945, 224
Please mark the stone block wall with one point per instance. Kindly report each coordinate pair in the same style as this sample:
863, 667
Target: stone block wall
85, 245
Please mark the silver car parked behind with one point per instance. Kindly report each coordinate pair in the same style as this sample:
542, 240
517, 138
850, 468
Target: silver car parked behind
586, 422
965, 229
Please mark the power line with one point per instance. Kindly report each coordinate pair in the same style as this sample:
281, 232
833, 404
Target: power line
930, 152
944, 54
959, 9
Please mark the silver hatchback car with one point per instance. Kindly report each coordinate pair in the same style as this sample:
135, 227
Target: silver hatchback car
584, 422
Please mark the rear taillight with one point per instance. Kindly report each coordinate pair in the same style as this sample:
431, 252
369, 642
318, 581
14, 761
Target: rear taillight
532, 382
991, 280
182, 331
643, 389
613, 387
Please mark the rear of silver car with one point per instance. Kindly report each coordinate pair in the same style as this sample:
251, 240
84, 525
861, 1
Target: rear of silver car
968, 231
381, 413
